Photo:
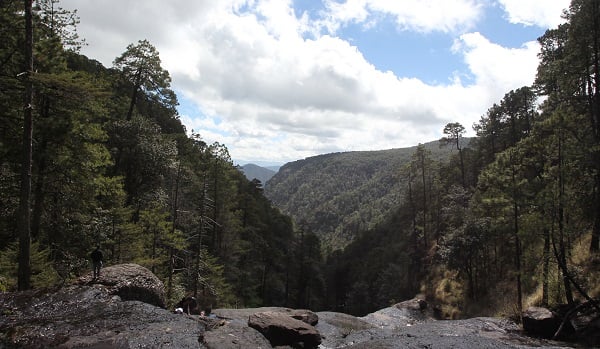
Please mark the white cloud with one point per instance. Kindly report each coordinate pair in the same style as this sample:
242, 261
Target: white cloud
414, 15
543, 13
269, 93
498, 69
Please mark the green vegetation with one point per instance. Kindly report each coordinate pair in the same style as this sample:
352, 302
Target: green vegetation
108, 163
340, 195
92, 155
510, 220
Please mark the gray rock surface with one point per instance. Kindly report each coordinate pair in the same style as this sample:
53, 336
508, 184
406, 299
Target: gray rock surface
397, 328
130, 282
282, 329
120, 311
90, 316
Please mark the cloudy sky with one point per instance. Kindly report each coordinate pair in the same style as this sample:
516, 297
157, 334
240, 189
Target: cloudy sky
281, 80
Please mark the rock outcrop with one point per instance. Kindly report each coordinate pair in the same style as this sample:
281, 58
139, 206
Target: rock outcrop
579, 323
122, 309
130, 282
83, 316
540, 322
282, 329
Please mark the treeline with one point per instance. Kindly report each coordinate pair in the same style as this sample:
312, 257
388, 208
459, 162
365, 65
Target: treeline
514, 218
98, 156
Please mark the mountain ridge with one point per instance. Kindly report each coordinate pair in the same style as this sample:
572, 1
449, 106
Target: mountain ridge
253, 171
339, 195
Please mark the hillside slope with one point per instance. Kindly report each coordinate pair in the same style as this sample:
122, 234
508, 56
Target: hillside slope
252, 171
339, 195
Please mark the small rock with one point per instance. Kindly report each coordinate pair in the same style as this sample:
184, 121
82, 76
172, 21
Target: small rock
413, 304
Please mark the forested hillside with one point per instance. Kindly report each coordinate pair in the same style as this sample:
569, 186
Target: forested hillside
92, 156
337, 196
512, 220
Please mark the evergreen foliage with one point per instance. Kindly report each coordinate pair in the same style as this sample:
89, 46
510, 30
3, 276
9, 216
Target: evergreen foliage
112, 166
494, 226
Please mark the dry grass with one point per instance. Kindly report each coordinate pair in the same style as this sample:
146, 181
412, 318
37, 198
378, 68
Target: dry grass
586, 266
449, 294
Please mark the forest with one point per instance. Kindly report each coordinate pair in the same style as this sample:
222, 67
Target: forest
512, 219
91, 155
338, 195
98, 156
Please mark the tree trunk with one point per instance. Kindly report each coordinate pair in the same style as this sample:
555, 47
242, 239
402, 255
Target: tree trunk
200, 234
173, 227
462, 161
38, 195
215, 209
24, 219
562, 255
546, 267
516, 237
134, 95
518, 262
595, 111
424, 200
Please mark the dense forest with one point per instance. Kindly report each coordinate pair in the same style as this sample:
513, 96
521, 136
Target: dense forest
98, 156
512, 219
339, 195
91, 156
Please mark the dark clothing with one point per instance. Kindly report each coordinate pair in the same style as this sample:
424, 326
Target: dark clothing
97, 261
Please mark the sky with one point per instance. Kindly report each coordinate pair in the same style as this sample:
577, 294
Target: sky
282, 80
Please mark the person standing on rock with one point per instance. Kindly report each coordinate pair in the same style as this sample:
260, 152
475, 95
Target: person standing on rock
97, 258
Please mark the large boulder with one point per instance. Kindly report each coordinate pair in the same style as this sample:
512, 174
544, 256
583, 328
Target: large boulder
282, 329
540, 322
130, 282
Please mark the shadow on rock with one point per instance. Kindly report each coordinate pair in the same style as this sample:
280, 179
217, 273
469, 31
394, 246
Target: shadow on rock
119, 311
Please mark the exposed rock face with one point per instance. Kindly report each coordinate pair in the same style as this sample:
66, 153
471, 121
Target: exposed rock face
94, 315
396, 328
130, 282
282, 329
90, 316
235, 335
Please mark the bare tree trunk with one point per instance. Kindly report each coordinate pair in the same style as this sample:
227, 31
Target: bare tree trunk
173, 227
562, 255
134, 95
518, 260
546, 267
24, 220
517, 240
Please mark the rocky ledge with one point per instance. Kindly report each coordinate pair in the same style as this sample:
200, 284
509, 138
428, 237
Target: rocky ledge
123, 309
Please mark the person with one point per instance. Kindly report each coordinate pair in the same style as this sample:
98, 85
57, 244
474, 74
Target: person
97, 258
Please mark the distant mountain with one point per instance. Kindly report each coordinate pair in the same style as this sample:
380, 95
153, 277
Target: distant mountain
252, 171
273, 168
339, 195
